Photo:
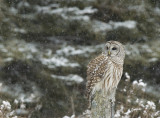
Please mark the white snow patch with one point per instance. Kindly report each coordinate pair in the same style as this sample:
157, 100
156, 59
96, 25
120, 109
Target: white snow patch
22, 106
154, 59
69, 50
66, 117
27, 47
6, 105
157, 113
74, 10
3, 49
146, 48
48, 52
127, 76
132, 50
127, 24
140, 84
57, 62
16, 101
71, 13
14, 117
83, 0
13, 10
23, 4
73, 116
87, 10
128, 112
139, 8
8, 59
19, 93
150, 105
70, 77
19, 30
139, 51
21, 111
84, 18
157, 10
118, 112
101, 26
128, 100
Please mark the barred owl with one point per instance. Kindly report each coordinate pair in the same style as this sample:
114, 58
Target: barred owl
105, 71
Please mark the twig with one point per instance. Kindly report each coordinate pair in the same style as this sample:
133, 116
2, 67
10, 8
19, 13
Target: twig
72, 104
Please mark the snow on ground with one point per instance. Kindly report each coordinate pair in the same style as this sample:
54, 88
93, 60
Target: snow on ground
69, 50
145, 52
58, 58
127, 24
138, 8
74, 10
138, 49
7, 112
150, 105
74, 13
73, 116
23, 4
25, 50
139, 84
118, 112
68, 13
99, 26
127, 76
70, 77
79, 50
13, 10
29, 97
6, 105
56, 61
19, 30
157, 10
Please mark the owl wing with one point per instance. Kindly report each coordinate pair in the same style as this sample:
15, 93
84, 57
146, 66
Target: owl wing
95, 71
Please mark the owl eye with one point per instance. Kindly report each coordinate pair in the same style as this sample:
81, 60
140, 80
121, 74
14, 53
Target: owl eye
114, 48
107, 48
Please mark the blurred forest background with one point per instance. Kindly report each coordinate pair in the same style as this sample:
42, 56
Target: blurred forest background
45, 46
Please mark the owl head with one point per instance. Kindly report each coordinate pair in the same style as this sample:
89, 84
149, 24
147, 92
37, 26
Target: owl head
114, 49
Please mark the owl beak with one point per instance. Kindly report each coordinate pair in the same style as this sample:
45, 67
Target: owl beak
109, 53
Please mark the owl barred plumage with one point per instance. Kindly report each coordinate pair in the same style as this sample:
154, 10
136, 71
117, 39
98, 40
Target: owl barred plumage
105, 71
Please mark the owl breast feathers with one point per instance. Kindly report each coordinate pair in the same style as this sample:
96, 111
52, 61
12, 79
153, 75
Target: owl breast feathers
102, 74
105, 71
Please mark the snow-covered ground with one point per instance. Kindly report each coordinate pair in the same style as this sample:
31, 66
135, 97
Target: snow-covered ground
70, 78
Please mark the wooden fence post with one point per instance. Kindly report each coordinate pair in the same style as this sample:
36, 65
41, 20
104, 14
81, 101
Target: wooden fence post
103, 104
